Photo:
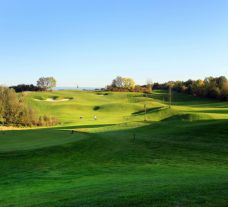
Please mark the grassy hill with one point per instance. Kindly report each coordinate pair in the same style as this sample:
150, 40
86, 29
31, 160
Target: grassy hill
178, 157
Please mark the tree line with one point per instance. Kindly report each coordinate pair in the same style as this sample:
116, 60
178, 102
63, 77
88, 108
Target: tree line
14, 111
43, 84
210, 87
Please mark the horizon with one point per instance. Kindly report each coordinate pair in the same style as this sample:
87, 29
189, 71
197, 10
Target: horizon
90, 43
77, 87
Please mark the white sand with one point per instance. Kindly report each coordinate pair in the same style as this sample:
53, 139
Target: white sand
53, 100
59, 100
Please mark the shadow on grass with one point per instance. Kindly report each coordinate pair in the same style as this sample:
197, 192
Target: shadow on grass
150, 110
222, 111
167, 132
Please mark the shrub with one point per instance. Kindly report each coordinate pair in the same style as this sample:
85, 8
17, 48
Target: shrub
14, 111
23, 87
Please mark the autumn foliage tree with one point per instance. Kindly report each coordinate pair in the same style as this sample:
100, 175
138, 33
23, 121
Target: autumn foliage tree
122, 84
210, 87
14, 111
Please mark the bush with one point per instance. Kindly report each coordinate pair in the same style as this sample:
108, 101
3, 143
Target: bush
14, 111
23, 87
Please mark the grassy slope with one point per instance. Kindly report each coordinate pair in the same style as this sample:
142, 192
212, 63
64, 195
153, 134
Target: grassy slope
179, 157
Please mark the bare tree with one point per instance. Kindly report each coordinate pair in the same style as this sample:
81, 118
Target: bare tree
46, 83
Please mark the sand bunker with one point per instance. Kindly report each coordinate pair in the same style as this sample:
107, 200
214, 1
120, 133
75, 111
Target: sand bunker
57, 100
53, 100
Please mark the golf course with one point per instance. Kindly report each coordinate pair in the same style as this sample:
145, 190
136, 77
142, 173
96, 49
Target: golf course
117, 149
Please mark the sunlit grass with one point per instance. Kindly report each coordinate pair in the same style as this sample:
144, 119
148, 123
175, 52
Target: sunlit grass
174, 156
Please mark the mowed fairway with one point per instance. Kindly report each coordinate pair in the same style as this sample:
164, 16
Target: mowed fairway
177, 157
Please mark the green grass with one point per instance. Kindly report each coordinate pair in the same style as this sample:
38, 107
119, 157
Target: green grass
178, 157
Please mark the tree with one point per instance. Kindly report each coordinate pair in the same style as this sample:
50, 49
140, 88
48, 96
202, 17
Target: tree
15, 111
11, 106
46, 83
198, 87
178, 85
220, 81
123, 83
149, 86
224, 92
188, 85
128, 83
118, 82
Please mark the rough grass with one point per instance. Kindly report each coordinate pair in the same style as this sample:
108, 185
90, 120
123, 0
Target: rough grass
178, 157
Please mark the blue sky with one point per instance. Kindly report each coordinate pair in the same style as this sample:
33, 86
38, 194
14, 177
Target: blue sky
89, 42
